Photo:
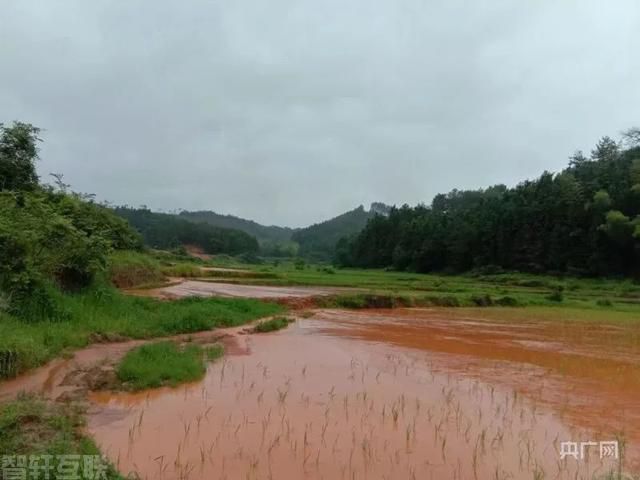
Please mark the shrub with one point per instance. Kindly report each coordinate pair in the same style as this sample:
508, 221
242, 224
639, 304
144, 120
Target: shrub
482, 300
128, 269
556, 296
507, 301
271, 325
187, 323
443, 301
52, 239
604, 302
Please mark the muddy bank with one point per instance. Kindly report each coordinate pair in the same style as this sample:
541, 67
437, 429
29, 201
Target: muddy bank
91, 368
396, 394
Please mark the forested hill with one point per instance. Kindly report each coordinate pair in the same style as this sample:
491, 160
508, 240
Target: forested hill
319, 240
584, 220
163, 230
261, 232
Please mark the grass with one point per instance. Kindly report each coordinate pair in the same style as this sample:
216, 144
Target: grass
129, 269
164, 363
30, 426
105, 314
272, 325
506, 289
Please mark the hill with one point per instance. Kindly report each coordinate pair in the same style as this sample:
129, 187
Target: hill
163, 230
319, 240
263, 233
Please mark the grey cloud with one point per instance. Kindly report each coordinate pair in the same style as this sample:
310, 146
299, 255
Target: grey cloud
290, 112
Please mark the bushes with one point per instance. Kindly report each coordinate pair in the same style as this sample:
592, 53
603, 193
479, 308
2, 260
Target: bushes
47, 238
129, 269
482, 300
486, 300
272, 325
367, 300
52, 239
556, 296
507, 301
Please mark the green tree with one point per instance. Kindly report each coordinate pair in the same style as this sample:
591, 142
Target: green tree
18, 154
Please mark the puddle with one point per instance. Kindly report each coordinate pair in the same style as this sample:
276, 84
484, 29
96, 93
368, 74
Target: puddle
399, 394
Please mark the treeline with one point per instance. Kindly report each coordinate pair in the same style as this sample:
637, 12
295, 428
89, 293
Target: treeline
584, 220
166, 231
50, 240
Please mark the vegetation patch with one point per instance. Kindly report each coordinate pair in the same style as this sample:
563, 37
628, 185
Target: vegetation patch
443, 301
482, 300
604, 302
508, 301
104, 312
365, 300
31, 426
272, 325
164, 363
130, 269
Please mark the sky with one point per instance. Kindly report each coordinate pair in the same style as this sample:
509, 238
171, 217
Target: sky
290, 112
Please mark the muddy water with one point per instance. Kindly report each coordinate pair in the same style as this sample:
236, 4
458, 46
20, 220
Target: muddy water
397, 394
199, 288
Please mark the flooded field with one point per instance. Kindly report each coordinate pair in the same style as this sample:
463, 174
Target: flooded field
399, 394
198, 288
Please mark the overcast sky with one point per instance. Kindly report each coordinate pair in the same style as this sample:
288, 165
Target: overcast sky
292, 111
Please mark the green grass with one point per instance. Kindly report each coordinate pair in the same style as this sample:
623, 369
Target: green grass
30, 426
507, 289
164, 363
129, 269
214, 352
272, 325
105, 313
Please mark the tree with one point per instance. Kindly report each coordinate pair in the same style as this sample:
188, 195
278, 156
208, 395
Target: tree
584, 220
18, 154
601, 200
632, 137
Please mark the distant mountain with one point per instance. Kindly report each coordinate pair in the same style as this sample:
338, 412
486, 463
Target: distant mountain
319, 240
316, 241
164, 230
271, 234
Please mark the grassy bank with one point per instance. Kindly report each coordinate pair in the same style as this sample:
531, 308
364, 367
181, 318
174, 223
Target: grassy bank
29, 426
104, 314
472, 289
165, 363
